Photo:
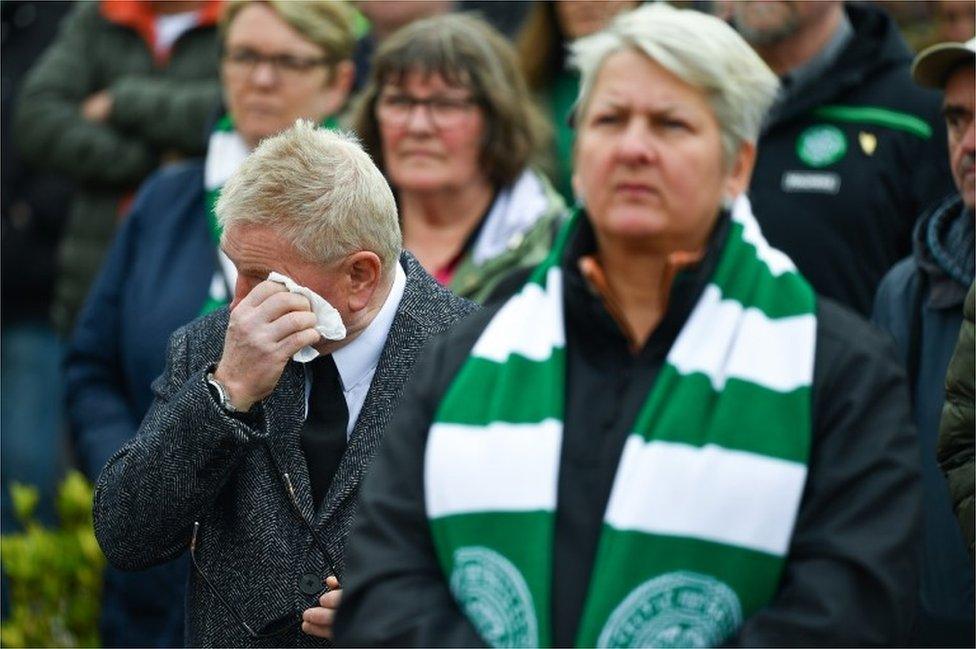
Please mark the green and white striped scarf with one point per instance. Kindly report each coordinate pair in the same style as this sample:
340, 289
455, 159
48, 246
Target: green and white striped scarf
708, 486
226, 151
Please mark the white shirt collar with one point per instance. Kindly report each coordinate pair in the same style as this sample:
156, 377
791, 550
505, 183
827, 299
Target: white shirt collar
357, 360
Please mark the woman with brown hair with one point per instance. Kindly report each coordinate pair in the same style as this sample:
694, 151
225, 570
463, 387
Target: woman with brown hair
448, 118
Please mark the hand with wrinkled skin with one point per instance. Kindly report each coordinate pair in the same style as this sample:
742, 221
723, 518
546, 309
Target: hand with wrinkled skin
265, 330
318, 620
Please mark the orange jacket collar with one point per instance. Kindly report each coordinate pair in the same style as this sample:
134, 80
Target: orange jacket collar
139, 16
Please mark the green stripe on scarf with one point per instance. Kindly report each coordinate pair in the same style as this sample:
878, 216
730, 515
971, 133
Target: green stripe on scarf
547, 401
707, 487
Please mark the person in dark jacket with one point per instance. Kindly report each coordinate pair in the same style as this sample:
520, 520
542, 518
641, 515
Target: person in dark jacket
250, 459
919, 303
542, 47
851, 152
32, 215
164, 268
956, 443
665, 438
127, 85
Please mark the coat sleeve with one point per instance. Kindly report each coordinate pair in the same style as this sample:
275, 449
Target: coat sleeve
48, 126
153, 489
956, 441
395, 593
850, 577
167, 113
99, 412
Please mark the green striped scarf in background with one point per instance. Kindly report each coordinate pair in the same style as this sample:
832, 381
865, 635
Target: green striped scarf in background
226, 151
708, 486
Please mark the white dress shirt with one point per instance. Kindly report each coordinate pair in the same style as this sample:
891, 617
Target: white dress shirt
357, 361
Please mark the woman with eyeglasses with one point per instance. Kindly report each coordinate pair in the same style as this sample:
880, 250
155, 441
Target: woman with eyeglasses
281, 60
448, 118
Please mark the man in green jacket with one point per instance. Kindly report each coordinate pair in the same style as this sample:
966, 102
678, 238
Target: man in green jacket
126, 85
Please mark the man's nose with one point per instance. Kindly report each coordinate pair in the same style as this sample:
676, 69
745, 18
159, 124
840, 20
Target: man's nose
969, 137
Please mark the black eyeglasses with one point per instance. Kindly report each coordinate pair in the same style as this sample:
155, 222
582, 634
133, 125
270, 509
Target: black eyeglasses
445, 112
288, 622
243, 61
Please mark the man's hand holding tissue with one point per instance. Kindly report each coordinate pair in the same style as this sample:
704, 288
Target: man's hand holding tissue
266, 328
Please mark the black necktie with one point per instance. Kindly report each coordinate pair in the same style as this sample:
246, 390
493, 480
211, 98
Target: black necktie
324, 433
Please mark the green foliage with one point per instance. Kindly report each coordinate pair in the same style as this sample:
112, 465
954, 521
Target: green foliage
55, 575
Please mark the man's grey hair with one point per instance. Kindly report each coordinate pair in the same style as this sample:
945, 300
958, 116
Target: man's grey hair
319, 190
699, 49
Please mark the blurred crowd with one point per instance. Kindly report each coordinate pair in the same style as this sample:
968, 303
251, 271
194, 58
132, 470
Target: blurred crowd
123, 120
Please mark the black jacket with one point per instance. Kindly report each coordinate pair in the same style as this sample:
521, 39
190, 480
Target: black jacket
850, 574
191, 461
846, 222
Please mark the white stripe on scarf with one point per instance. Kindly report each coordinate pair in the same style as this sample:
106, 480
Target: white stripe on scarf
765, 489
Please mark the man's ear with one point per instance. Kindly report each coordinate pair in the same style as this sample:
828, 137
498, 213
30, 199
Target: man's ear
363, 271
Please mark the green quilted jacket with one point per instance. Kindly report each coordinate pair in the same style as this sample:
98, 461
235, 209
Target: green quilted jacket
517, 233
956, 432
160, 108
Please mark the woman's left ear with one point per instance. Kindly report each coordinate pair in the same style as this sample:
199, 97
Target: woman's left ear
740, 174
339, 86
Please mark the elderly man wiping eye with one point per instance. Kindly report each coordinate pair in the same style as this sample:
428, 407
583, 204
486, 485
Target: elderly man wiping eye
249, 458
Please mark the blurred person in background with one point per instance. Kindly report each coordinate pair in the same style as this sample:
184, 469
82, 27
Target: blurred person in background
127, 84
851, 152
448, 118
386, 17
665, 438
542, 46
920, 303
281, 61
34, 205
955, 20
507, 16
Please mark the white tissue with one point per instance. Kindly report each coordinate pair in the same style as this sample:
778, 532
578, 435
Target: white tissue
329, 324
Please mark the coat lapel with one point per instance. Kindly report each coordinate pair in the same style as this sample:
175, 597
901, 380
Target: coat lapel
285, 415
403, 344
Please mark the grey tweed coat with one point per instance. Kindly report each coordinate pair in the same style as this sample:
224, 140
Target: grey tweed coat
192, 462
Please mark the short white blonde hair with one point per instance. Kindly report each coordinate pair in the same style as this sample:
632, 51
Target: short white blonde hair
319, 190
701, 50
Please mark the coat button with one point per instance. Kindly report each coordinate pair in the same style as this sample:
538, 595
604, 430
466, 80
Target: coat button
310, 584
